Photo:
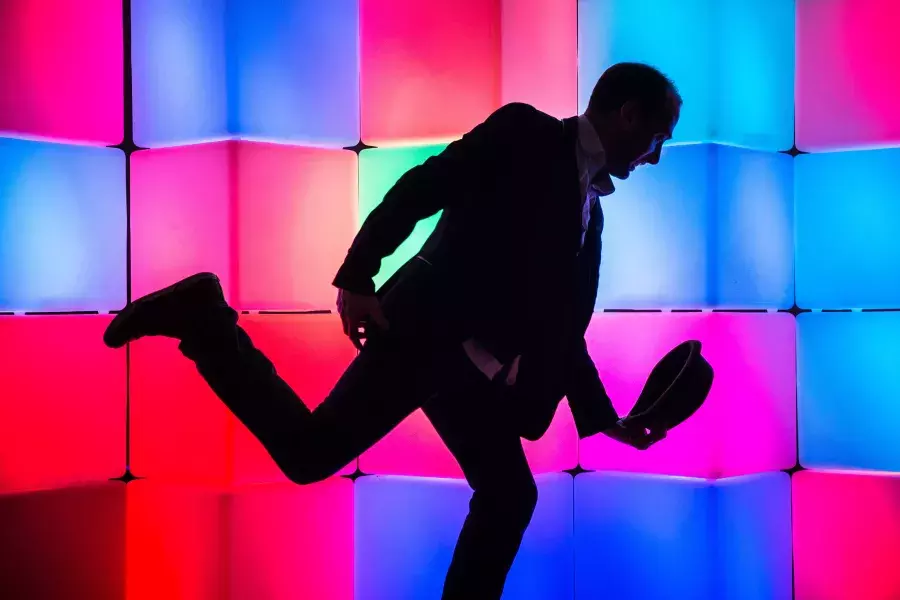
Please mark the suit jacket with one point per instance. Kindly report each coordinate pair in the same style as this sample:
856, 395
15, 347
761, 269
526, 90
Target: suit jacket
505, 263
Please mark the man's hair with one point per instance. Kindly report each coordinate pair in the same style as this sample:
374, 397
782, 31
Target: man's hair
646, 85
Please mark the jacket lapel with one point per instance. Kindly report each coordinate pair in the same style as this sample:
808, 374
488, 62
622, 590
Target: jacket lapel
569, 161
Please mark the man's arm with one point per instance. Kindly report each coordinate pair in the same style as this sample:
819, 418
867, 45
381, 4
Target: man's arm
425, 190
591, 406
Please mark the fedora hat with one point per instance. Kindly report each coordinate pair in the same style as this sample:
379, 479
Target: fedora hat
676, 387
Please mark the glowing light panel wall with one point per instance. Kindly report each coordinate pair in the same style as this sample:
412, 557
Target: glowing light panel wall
311, 353
291, 541
748, 422
268, 70
294, 71
181, 216
733, 62
62, 402
247, 106
182, 433
753, 535
413, 63
415, 448
539, 55
406, 528
296, 216
62, 227
846, 535
709, 227
274, 222
682, 538
175, 541
847, 383
847, 219
180, 86
61, 73
845, 48
379, 170
64, 543
628, 526
246, 542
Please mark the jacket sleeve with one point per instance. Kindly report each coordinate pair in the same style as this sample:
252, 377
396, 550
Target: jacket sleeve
591, 407
425, 190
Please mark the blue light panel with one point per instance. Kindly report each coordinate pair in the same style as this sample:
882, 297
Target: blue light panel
179, 71
732, 60
848, 383
848, 217
406, 528
639, 536
295, 71
708, 227
753, 228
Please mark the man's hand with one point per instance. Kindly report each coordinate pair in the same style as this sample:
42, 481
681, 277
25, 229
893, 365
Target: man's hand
359, 313
634, 434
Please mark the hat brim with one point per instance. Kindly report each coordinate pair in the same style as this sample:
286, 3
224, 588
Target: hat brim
675, 389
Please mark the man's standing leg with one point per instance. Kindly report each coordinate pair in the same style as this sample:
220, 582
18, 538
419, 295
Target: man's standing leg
385, 383
470, 420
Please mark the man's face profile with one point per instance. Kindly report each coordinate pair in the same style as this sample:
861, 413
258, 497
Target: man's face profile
642, 137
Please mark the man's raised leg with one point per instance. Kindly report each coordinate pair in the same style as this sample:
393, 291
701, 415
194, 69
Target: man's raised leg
385, 383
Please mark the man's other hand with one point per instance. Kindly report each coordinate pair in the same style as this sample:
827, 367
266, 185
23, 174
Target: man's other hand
359, 312
634, 434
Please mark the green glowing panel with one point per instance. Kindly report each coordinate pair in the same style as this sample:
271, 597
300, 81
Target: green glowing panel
379, 170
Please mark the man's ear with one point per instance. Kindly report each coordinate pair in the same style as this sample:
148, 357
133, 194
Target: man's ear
629, 114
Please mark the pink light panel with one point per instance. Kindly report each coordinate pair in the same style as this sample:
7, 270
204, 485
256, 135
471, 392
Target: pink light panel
274, 222
292, 541
846, 529
748, 422
61, 73
539, 55
62, 403
296, 219
420, 84
846, 98
181, 215
182, 433
412, 65
187, 542
176, 542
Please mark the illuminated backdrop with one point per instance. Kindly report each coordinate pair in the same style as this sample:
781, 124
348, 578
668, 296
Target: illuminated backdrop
143, 140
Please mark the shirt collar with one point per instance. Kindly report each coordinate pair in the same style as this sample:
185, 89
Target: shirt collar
592, 158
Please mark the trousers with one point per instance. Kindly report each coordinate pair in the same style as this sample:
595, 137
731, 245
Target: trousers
389, 379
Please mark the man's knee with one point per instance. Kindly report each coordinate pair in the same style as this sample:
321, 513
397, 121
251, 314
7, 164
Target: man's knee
509, 499
303, 464
305, 475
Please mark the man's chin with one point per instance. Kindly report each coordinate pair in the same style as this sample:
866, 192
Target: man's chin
620, 173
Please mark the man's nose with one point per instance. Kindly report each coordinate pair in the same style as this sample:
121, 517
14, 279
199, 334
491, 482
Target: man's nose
654, 158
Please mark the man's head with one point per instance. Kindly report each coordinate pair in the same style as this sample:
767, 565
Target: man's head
634, 108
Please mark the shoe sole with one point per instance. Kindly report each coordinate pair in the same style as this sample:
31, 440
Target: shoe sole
122, 318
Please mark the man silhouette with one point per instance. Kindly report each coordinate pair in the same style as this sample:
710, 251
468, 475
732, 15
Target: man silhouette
483, 329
